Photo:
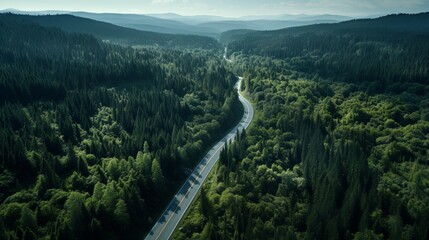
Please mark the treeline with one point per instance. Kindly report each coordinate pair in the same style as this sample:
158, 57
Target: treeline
322, 160
94, 138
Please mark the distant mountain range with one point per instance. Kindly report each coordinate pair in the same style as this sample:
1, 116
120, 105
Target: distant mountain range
202, 25
207, 18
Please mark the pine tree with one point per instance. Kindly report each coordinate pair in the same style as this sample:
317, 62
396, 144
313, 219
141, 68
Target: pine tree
157, 176
121, 214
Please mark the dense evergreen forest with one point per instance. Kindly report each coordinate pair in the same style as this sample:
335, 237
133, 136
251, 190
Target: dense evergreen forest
339, 145
95, 138
354, 51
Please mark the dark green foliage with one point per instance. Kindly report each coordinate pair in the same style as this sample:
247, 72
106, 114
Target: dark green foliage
382, 53
94, 137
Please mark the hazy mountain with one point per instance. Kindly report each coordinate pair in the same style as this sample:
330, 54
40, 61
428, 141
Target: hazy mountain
46, 12
113, 33
198, 19
330, 17
223, 26
191, 20
148, 23
262, 22
299, 17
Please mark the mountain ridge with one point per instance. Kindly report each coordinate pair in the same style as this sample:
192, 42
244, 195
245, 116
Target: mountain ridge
417, 23
113, 33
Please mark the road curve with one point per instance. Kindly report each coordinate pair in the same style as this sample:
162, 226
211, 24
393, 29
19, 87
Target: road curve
171, 216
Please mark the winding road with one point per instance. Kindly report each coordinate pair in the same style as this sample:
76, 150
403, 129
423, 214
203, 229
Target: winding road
176, 209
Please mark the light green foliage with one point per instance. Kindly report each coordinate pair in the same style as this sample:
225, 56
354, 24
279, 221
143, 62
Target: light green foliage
144, 163
110, 197
121, 214
40, 187
28, 219
157, 176
75, 214
98, 191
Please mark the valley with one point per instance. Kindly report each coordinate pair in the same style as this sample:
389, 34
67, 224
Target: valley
125, 126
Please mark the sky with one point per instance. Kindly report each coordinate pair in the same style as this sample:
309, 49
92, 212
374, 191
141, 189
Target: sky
227, 8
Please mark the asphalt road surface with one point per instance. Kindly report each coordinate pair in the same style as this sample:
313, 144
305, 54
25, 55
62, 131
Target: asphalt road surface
176, 209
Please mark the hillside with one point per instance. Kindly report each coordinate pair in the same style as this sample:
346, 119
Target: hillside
232, 35
113, 33
353, 51
407, 23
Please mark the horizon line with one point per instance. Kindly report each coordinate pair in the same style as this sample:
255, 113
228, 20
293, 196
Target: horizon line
211, 15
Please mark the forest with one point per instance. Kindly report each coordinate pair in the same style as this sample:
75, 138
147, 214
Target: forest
338, 148
95, 137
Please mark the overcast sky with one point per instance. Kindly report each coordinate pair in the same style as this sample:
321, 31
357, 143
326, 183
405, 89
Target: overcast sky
227, 8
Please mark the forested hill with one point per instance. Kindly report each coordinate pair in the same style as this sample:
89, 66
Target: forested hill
113, 33
386, 50
231, 35
94, 137
406, 23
